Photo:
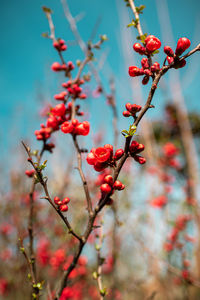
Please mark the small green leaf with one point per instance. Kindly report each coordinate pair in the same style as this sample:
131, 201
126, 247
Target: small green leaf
140, 9
97, 247
155, 52
47, 10
104, 37
95, 275
103, 292
22, 249
142, 37
45, 34
133, 23
78, 62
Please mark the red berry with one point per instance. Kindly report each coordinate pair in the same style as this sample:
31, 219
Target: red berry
105, 188
182, 45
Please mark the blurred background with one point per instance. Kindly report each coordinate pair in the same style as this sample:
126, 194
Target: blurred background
152, 229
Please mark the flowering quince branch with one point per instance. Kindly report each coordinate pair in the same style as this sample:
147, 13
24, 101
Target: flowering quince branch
110, 97
98, 274
36, 286
62, 117
43, 182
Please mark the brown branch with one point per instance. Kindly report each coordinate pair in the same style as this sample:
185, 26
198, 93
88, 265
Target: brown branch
35, 289
99, 269
84, 182
48, 198
138, 26
30, 221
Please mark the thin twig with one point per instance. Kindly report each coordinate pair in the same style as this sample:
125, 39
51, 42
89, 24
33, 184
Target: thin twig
84, 182
48, 198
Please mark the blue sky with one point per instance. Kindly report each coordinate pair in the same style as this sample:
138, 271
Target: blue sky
26, 56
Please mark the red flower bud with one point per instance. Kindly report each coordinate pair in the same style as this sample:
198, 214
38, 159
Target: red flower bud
59, 110
63, 207
145, 80
139, 48
180, 64
91, 159
182, 45
152, 43
133, 147
57, 201
155, 67
168, 50
56, 67
140, 159
108, 179
66, 200
126, 114
30, 173
135, 71
118, 154
145, 63
118, 185
67, 127
170, 59
105, 188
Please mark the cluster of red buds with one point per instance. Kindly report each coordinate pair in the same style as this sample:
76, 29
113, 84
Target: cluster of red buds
159, 201
102, 157
109, 185
75, 127
74, 89
180, 225
136, 148
56, 67
182, 45
30, 173
170, 152
62, 204
60, 45
132, 109
152, 44
60, 115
